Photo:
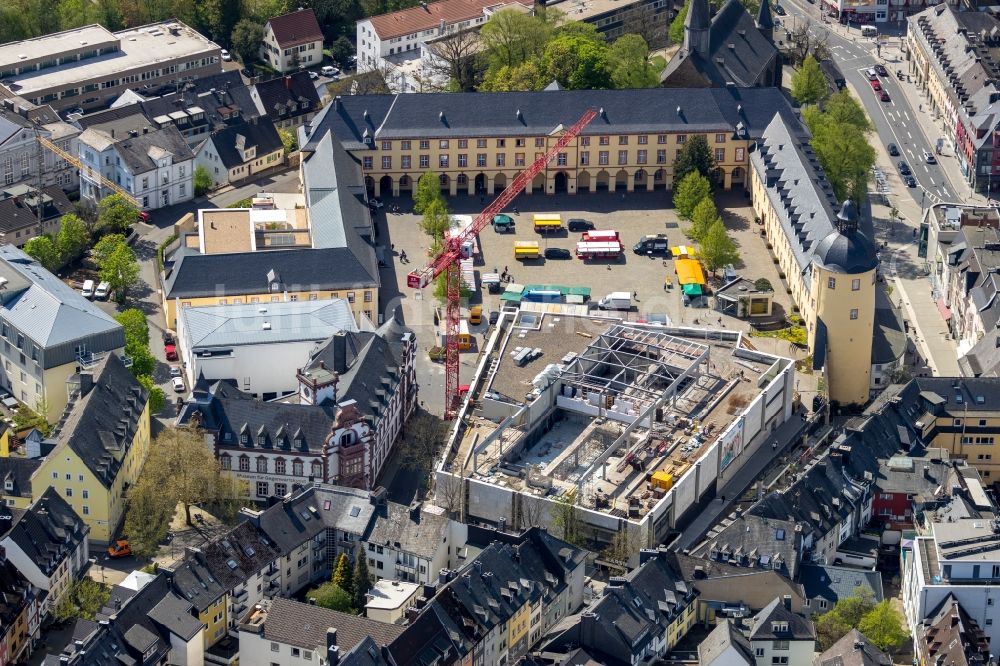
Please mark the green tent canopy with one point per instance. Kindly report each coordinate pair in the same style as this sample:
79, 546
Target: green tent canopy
692, 290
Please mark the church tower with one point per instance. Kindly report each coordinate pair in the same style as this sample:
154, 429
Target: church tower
696, 28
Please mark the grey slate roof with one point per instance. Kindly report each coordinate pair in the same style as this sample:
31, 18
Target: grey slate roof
242, 273
419, 534
853, 649
50, 312
830, 582
724, 636
18, 207
101, 424
983, 360
258, 133
277, 97
889, 341
799, 628
971, 389
135, 150
18, 471
304, 625
418, 115
291, 321
48, 531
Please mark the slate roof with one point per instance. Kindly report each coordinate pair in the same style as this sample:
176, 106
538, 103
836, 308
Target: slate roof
276, 97
101, 423
952, 636
396, 526
228, 411
15, 593
49, 311
294, 28
139, 153
847, 250
304, 625
335, 194
431, 15
853, 649
830, 582
799, 628
259, 133
288, 523
889, 341
971, 389
48, 531
983, 360
18, 471
725, 635
291, 321
738, 51
418, 115
243, 273
18, 211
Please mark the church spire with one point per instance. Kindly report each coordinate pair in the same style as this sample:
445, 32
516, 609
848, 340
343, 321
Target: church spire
765, 23
696, 27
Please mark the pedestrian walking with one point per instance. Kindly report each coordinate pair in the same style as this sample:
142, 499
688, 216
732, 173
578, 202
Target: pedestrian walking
402, 257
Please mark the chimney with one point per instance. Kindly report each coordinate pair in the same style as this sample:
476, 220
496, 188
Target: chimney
340, 352
647, 554
588, 622
333, 655
787, 602
331, 638
415, 511
442, 576
288, 83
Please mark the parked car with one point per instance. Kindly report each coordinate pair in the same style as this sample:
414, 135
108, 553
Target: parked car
103, 291
779, 10
87, 291
503, 223
578, 224
313, 75
144, 216
375, 203
885, 97
226, 57
170, 351
168, 338
557, 253
177, 383
881, 70
494, 317
910, 181
893, 150
328, 70
175, 371
876, 86
929, 157
904, 168
120, 548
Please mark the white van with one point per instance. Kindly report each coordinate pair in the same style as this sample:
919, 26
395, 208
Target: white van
327, 70
88, 289
102, 291
616, 300
869, 31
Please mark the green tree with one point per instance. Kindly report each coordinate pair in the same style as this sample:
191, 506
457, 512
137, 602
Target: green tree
203, 181
246, 38
690, 191
717, 248
578, 61
510, 37
630, 65
148, 513
341, 51
143, 361
362, 580
82, 600
342, 574
330, 596
73, 237
428, 192
288, 139
262, 10
217, 17
121, 270
809, 84
44, 251
566, 519
704, 216
26, 418
694, 156
883, 626
842, 148
677, 25
842, 107
157, 398
76, 13
845, 615
115, 214
136, 327
763, 284
524, 77
106, 246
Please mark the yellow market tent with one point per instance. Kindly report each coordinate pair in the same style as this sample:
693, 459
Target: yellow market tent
689, 271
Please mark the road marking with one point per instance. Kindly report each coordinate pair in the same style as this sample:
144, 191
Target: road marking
910, 136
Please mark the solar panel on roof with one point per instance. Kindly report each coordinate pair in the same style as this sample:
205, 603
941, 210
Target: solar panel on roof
355, 511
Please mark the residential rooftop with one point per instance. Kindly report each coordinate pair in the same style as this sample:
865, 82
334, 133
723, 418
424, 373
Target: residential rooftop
222, 230
432, 15
390, 594
144, 46
266, 323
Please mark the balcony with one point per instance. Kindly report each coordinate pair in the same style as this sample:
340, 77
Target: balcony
271, 574
240, 596
408, 568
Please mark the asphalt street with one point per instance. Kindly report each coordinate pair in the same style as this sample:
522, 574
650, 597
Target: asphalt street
895, 121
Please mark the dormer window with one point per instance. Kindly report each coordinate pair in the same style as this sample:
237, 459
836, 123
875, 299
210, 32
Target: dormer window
348, 438
244, 439
8, 485
261, 440
779, 627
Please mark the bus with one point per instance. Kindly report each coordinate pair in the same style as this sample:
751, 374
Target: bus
598, 250
548, 223
526, 250
601, 235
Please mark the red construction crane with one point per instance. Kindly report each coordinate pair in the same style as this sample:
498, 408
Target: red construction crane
448, 261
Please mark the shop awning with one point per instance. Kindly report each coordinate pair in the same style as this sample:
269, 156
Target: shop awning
689, 271
692, 290
944, 309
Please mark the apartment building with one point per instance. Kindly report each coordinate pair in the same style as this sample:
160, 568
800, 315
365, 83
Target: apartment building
479, 142
19, 619
47, 542
829, 264
100, 445
954, 58
88, 67
156, 167
27, 212
779, 636
234, 154
950, 635
292, 41
22, 158
288, 100
48, 331
408, 544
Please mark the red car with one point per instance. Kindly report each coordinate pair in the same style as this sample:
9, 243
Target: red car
144, 216
876, 85
171, 352
884, 96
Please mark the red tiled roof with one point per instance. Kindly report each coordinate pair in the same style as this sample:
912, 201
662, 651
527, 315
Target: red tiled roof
424, 17
296, 28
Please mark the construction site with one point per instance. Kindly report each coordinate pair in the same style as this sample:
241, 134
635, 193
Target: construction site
632, 424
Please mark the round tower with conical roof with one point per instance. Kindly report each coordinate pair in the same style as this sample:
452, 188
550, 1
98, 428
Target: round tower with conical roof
843, 291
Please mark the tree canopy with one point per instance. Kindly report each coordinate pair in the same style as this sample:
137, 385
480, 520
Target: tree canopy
689, 192
841, 144
120, 269
717, 248
116, 214
43, 249
677, 25
246, 39
73, 238
695, 155
883, 625
329, 595
845, 615
809, 85
703, 217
